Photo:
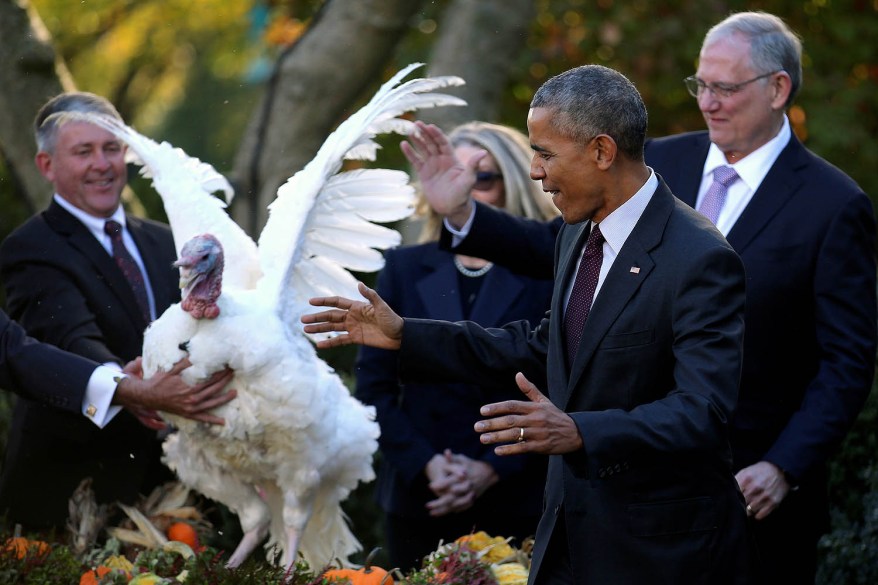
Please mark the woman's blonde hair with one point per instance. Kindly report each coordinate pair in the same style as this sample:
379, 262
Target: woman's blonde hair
511, 150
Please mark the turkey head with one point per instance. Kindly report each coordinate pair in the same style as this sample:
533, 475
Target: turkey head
201, 276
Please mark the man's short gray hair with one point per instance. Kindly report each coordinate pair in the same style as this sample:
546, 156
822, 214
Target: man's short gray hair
773, 45
48, 119
590, 100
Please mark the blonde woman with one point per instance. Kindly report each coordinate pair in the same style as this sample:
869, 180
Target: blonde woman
437, 481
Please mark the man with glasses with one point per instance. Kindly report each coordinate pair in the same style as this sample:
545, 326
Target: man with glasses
806, 234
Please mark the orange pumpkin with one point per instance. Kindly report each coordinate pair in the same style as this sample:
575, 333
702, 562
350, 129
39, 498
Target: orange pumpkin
22, 546
368, 575
94, 576
183, 532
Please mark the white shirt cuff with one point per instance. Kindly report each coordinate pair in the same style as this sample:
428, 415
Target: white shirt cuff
96, 404
458, 235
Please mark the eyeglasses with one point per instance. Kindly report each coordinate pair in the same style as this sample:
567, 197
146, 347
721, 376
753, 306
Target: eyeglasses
485, 180
696, 86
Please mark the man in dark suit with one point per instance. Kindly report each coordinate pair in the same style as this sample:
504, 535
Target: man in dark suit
65, 287
639, 487
806, 234
47, 375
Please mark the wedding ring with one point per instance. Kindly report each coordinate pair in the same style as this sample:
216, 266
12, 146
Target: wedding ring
521, 434
750, 510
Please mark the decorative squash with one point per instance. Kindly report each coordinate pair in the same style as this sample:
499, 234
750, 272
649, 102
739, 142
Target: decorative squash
183, 532
94, 576
510, 574
116, 563
146, 579
368, 575
22, 546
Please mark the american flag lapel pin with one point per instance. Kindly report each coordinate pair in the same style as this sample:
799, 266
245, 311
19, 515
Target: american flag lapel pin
635, 270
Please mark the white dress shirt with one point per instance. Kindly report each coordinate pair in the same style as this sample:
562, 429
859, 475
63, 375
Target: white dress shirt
616, 228
751, 169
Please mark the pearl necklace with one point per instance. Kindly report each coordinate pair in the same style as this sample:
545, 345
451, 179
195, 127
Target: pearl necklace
469, 272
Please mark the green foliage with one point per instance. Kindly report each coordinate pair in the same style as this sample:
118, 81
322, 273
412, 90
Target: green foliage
849, 553
60, 566
57, 566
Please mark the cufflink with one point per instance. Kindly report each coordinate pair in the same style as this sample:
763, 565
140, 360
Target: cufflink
91, 410
118, 379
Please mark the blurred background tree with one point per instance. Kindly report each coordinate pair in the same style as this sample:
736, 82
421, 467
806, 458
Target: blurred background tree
254, 86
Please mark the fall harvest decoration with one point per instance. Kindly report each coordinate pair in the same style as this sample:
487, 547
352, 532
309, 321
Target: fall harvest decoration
493, 549
146, 579
149, 521
510, 573
183, 532
94, 576
23, 547
86, 519
475, 559
368, 575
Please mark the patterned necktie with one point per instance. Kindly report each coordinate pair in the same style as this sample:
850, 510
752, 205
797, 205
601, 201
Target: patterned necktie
715, 197
582, 294
125, 262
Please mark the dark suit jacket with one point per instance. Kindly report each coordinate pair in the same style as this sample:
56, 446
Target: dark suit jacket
41, 372
64, 289
419, 420
807, 240
651, 497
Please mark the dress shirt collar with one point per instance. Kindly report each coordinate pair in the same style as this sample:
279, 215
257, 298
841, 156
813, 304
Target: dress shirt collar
753, 167
94, 224
617, 226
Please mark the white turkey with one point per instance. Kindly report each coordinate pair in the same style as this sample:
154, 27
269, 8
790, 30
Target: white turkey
295, 442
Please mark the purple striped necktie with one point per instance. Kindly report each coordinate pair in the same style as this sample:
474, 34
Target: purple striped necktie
125, 262
715, 197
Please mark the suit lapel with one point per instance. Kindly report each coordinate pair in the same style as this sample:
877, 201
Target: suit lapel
81, 239
621, 283
682, 164
780, 184
689, 180
571, 240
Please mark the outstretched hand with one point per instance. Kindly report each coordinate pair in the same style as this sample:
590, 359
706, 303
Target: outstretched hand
445, 180
534, 426
372, 323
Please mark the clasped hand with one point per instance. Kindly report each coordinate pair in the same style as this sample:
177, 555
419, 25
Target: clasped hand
457, 481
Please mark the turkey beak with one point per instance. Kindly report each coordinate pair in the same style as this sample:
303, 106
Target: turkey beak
185, 273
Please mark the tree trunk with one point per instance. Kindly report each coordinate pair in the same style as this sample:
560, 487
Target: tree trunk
30, 75
314, 84
480, 41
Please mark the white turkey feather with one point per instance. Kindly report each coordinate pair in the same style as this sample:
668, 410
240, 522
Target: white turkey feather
346, 254
375, 194
186, 186
295, 442
295, 212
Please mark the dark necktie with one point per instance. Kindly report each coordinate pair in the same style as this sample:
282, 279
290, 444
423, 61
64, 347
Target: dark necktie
582, 294
715, 197
125, 262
